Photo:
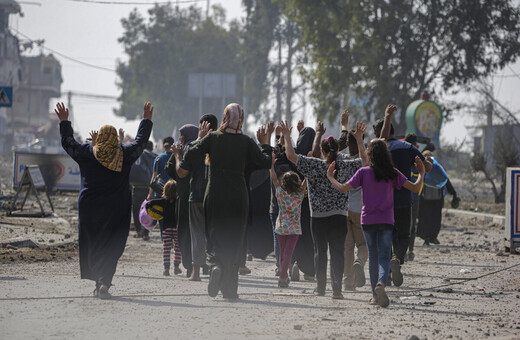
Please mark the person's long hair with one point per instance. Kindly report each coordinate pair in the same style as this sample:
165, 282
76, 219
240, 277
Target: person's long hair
170, 190
380, 160
330, 147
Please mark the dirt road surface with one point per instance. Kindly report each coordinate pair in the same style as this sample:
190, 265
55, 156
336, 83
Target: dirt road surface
42, 297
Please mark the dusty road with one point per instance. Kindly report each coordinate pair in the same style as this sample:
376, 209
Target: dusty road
42, 297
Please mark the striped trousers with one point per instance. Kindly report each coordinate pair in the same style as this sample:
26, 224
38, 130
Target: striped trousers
170, 238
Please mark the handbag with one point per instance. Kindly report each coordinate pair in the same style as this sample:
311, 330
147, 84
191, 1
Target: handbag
157, 184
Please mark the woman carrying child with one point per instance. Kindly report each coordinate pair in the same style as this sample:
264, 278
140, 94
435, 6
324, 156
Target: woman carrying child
378, 181
289, 195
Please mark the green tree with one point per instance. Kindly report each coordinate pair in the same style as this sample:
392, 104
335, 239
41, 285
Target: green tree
262, 16
389, 51
163, 50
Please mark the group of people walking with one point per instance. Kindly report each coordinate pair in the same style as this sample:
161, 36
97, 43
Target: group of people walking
323, 200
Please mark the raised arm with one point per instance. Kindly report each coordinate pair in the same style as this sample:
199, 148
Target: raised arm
387, 122
330, 175
289, 150
274, 178
358, 134
416, 187
343, 138
316, 148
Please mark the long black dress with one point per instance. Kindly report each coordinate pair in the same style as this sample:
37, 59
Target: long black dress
226, 202
104, 204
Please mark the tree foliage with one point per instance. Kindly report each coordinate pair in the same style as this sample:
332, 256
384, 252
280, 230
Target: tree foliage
163, 50
389, 51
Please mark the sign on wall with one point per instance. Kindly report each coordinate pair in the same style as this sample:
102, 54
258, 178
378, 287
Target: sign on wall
59, 171
6, 96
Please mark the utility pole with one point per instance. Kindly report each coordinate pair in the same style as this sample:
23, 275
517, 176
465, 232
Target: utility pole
207, 9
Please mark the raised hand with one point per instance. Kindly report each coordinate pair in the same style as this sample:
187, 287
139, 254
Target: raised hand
344, 119
273, 157
177, 149
62, 112
300, 125
278, 130
270, 127
332, 169
286, 130
93, 136
419, 165
261, 135
390, 110
121, 135
360, 130
320, 129
204, 129
148, 111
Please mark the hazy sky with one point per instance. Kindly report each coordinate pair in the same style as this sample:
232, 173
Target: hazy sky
88, 32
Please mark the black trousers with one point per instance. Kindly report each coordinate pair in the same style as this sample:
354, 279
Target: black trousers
138, 196
415, 215
402, 227
328, 232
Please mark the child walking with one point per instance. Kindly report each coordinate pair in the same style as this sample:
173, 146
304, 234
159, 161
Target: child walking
289, 195
378, 181
169, 234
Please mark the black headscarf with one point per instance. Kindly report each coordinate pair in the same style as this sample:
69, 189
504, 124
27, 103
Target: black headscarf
305, 140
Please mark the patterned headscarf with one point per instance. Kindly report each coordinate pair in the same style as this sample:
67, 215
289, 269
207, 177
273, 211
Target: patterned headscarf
233, 119
107, 150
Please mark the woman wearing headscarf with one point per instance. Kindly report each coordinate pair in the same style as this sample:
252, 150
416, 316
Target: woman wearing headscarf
188, 133
104, 203
226, 202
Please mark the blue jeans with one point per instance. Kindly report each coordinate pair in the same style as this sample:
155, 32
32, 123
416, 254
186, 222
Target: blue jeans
276, 244
379, 242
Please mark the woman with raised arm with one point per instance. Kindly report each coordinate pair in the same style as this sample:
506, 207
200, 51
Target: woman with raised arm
226, 202
105, 201
328, 207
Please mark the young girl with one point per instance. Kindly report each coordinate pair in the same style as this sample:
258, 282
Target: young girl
378, 181
289, 196
168, 228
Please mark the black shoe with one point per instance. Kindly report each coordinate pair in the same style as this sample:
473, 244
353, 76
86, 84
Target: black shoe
283, 284
319, 292
336, 294
214, 281
103, 293
435, 241
426, 243
397, 276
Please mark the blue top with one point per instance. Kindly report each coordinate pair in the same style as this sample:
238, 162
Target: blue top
437, 177
403, 156
159, 165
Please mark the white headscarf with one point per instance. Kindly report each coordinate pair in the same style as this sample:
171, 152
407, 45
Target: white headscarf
233, 119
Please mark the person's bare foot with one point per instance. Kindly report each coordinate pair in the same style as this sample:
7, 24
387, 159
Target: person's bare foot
195, 274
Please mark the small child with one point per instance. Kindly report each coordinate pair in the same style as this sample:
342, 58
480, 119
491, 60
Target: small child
168, 226
378, 181
289, 195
